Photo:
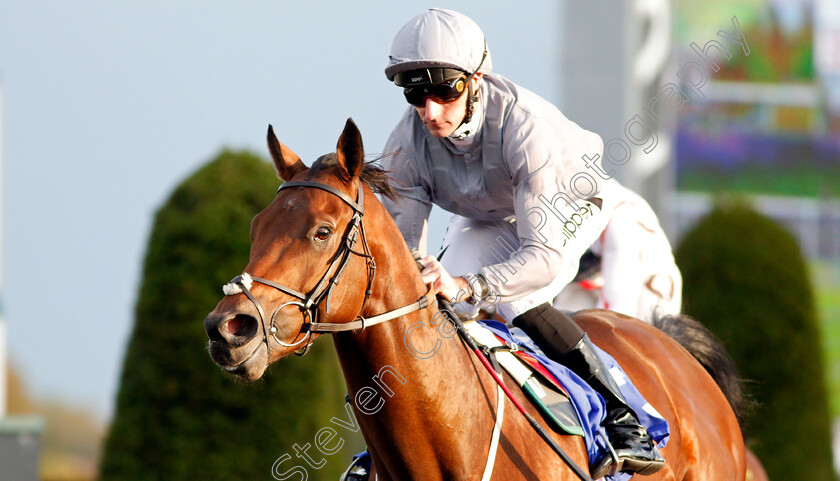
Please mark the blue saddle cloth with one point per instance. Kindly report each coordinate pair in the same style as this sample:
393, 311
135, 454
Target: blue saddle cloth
588, 404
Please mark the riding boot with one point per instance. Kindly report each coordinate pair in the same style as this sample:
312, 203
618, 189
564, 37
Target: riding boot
553, 331
633, 449
564, 341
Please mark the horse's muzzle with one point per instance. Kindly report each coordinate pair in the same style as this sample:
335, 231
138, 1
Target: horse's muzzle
235, 343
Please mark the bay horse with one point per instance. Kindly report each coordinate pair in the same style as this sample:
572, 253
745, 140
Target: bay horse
326, 257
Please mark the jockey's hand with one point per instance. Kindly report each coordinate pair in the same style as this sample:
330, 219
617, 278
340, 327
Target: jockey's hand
453, 288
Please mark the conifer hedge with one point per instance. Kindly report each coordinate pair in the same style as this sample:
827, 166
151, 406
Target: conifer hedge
745, 278
178, 416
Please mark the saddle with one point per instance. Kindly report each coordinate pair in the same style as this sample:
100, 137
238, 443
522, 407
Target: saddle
567, 403
542, 389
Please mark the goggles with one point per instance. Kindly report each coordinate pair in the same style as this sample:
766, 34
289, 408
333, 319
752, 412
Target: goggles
441, 93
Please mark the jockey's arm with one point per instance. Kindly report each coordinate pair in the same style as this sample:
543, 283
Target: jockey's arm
555, 222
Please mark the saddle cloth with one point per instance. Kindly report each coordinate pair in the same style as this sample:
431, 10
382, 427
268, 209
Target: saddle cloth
588, 405
539, 385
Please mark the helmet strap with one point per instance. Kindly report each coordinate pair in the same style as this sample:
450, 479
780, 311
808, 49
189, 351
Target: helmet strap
471, 101
473, 92
471, 123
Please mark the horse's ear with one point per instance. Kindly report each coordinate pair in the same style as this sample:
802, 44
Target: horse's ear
286, 162
351, 153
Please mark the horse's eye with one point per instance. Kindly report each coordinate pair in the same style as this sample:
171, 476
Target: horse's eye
322, 234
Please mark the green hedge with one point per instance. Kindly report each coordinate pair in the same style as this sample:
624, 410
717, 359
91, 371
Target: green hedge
745, 278
178, 415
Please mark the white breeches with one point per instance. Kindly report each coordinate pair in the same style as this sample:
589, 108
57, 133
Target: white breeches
652, 298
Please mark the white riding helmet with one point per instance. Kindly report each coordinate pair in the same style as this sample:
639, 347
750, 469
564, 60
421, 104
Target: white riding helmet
439, 38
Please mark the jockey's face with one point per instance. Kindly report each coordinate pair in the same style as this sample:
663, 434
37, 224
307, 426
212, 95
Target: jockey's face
443, 118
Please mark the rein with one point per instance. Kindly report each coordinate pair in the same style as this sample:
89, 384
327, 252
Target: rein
322, 292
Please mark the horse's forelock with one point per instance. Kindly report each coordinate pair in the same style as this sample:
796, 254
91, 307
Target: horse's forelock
323, 162
372, 175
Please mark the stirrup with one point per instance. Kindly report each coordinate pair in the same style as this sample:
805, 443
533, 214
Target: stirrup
612, 464
602, 469
356, 471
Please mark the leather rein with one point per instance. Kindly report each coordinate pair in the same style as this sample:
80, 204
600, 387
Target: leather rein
322, 292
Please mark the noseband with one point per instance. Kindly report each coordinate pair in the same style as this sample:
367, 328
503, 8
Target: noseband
309, 303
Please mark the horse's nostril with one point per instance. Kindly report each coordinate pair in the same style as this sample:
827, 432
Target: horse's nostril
234, 325
242, 326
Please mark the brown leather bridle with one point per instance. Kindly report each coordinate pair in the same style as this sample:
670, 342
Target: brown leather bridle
322, 292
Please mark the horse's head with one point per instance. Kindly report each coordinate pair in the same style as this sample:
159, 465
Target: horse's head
310, 259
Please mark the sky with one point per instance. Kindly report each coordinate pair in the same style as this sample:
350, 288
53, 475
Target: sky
107, 106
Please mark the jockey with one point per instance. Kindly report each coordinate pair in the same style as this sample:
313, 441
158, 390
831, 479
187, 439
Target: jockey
528, 199
633, 269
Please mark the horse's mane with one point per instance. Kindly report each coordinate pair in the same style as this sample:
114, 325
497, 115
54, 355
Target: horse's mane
373, 176
707, 348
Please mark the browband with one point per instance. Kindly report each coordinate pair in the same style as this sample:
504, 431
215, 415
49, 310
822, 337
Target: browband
356, 205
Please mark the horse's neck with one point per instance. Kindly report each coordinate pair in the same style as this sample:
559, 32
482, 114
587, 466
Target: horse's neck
397, 284
413, 384
415, 348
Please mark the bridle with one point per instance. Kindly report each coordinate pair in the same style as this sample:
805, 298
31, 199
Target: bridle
322, 292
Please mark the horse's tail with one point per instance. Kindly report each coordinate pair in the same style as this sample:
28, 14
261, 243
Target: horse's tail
709, 351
